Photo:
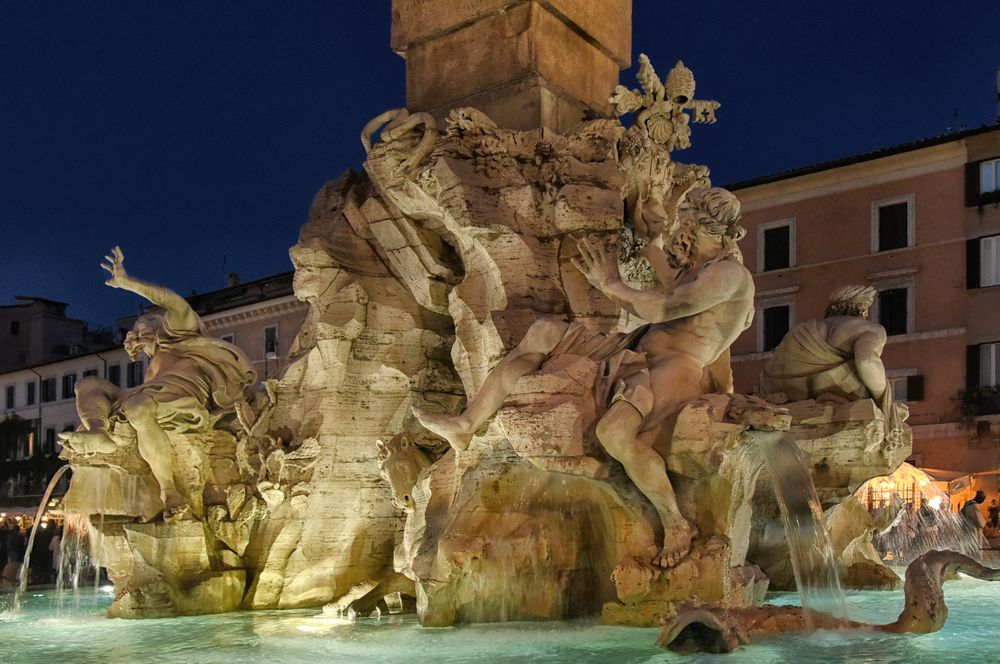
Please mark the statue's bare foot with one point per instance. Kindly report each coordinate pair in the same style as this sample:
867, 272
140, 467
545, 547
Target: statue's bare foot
677, 537
88, 442
453, 428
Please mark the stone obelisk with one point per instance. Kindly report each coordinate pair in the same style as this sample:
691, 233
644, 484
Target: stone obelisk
525, 63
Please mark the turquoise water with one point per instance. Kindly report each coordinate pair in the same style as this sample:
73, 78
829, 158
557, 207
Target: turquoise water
58, 630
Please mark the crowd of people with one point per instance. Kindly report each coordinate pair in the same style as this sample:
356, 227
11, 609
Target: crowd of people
45, 554
914, 530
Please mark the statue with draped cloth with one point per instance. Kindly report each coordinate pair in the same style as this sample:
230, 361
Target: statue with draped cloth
837, 358
191, 378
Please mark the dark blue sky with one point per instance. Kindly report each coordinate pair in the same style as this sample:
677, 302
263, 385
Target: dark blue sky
195, 133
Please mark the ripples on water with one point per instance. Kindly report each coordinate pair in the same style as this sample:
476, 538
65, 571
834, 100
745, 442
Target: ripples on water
79, 632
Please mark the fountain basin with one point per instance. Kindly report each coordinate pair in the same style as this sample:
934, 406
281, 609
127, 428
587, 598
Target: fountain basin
74, 628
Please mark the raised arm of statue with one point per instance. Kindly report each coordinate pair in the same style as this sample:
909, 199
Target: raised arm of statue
868, 360
714, 284
180, 317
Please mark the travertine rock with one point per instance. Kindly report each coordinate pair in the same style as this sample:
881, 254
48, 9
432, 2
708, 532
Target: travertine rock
845, 444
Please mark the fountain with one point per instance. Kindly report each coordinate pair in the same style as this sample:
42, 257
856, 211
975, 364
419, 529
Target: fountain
810, 549
22, 583
512, 397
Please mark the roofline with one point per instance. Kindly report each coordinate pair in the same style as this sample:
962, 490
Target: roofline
862, 157
29, 367
34, 298
242, 284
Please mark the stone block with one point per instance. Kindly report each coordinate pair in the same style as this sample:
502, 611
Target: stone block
606, 24
525, 42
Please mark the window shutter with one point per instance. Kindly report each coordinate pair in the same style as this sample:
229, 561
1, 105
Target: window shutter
972, 263
972, 184
915, 388
971, 367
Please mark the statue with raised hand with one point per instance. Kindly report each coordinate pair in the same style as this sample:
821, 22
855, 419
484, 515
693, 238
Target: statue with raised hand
706, 301
190, 376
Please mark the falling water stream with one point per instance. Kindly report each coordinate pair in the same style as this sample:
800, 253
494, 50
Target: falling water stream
25, 564
809, 546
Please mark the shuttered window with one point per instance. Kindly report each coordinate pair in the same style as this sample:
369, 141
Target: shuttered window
989, 176
989, 261
989, 362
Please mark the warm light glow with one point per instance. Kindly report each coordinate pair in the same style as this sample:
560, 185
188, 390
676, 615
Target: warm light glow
935, 502
45, 524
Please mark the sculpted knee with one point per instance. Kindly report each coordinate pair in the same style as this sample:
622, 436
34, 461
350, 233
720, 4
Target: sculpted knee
543, 335
139, 409
614, 439
87, 385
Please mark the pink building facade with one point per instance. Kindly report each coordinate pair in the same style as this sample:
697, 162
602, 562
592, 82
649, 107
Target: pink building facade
921, 224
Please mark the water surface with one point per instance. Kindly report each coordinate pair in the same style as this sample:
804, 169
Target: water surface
54, 629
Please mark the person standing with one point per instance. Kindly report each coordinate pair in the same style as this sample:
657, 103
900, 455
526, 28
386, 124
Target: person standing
972, 514
994, 512
55, 546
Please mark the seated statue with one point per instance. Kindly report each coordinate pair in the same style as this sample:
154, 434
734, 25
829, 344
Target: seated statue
189, 375
705, 303
838, 358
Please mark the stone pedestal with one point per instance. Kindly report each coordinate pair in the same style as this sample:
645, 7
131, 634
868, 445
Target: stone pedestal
527, 64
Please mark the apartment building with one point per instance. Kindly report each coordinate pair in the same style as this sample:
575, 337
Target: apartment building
921, 223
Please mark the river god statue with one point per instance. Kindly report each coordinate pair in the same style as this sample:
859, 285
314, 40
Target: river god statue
652, 371
838, 358
190, 376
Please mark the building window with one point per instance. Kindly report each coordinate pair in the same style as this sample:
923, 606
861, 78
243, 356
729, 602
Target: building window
9, 397
776, 323
892, 224
229, 338
48, 390
894, 310
133, 373
984, 262
89, 372
68, 383
776, 245
982, 182
115, 374
907, 388
989, 364
989, 176
50, 441
29, 399
270, 340
15, 328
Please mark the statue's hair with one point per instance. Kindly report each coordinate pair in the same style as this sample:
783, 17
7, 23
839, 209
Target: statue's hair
850, 301
719, 216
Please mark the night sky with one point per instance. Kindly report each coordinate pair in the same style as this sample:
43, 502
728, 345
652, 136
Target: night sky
195, 133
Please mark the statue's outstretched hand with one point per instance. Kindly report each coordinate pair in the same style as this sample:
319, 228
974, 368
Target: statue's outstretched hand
116, 268
597, 263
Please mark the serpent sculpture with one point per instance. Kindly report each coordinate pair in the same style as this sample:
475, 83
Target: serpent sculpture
698, 627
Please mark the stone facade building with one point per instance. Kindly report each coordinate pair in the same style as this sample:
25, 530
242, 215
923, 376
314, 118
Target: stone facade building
920, 222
